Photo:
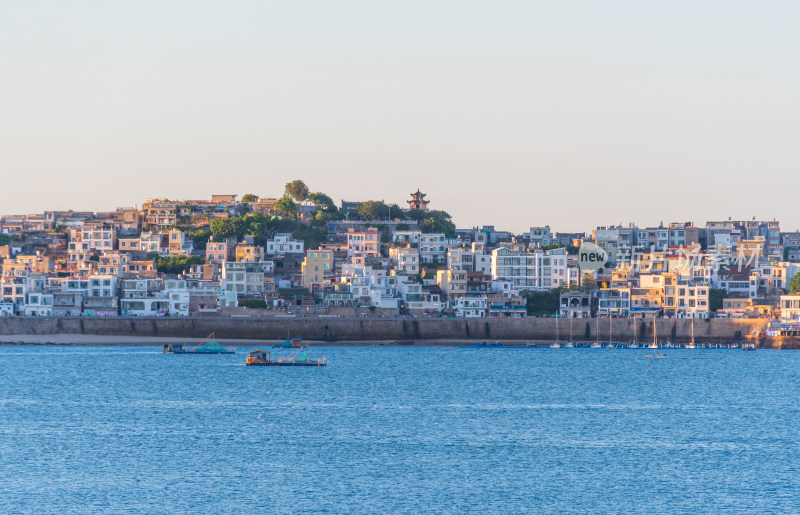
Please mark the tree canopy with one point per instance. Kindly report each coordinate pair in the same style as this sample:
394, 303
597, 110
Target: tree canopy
263, 228
175, 264
373, 210
297, 190
286, 207
249, 198
794, 284
433, 222
542, 302
322, 201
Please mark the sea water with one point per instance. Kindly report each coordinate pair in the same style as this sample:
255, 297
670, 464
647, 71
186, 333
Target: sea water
400, 429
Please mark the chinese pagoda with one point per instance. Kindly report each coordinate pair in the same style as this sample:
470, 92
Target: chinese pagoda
418, 201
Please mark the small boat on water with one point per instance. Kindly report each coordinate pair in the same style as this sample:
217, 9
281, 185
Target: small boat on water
569, 345
633, 345
596, 345
289, 343
212, 346
298, 358
483, 345
555, 345
749, 346
658, 355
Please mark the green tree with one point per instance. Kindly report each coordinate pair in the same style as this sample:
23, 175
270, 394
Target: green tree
373, 210
249, 198
200, 238
231, 227
286, 206
715, 296
177, 264
587, 283
297, 190
322, 201
542, 302
433, 222
794, 284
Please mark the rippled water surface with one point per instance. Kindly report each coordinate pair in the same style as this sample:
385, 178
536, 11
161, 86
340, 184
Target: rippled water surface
381, 429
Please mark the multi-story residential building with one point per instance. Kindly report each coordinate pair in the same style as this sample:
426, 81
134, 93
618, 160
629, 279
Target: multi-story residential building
432, 248
250, 253
540, 236
98, 236
577, 304
656, 238
453, 283
153, 242
683, 234
38, 304
317, 269
283, 243
691, 300
177, 294
417, 298
220, 251
532, 270
461, 258
613, 301
470, 307
113, 263
790, 307
503, 307
407, 237
243, 279
363, 243
405, 260
178, 244
160, 213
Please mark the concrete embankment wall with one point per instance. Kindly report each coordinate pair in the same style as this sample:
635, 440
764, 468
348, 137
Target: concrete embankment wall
370, 329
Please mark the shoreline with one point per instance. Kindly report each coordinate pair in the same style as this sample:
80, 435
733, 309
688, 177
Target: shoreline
92, 340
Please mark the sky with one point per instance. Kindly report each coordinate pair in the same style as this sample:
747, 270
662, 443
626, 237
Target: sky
572, 114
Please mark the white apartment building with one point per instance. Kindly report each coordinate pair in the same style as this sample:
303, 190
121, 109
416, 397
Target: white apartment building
537, 270
405, 260
283, 243
471, 307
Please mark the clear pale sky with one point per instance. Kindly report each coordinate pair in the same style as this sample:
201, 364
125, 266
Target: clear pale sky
568, 113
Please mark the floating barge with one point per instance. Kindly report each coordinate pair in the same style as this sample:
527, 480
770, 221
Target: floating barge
212, 346
298, 358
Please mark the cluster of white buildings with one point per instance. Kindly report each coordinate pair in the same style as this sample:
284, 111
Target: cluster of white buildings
101, 264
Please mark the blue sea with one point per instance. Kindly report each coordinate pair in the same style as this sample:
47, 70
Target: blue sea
400, 430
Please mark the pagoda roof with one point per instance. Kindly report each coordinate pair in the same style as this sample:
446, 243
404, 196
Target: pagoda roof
418, 194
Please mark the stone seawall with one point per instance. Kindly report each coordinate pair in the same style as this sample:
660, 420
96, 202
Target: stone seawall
384, 329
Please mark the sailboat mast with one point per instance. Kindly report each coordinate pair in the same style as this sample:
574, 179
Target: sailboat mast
655, 336
557, 335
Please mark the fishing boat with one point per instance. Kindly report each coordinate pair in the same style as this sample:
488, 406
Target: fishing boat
289, 343
298, 358
212, 346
